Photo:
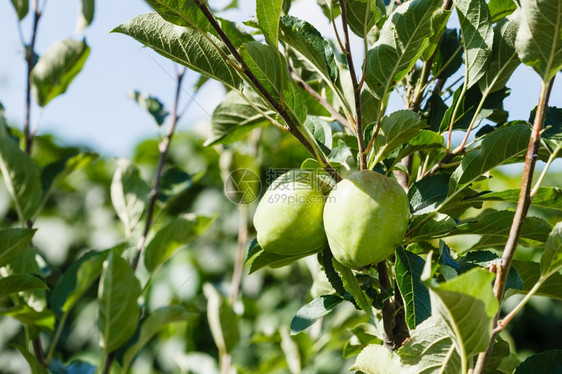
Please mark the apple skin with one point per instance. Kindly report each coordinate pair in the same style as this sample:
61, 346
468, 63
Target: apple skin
288, 219
365, 217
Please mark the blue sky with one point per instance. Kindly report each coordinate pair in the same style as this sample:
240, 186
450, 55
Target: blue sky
96, 110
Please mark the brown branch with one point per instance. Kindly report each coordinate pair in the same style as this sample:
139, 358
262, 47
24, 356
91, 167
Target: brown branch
322, 100
356, 89
293, 128
519, 218
164, 146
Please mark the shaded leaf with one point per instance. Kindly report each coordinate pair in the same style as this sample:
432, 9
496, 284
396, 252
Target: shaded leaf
449, 56
548, 362
21, 178
34, 364
408, 268
402, 40
129, 194
86, 15
477, 37
57, 68
504, 59
188, 47
119, 312
76, 280
13, 242
151, 326
546, 197
21, 7
152, 105
396, 129
223, 321
20, 282
308, 314
258, 258
174, 181
551, 260
233, 118
539, 39
530, 273
169, 238
362, 15
498, 147
53, 174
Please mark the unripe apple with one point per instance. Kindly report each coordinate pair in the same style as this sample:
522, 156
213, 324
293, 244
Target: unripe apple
365, 217
288, 219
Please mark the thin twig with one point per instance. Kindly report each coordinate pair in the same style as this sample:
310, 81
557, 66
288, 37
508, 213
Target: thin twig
30, 60
520, 214
164, 147
356, 89
322, 100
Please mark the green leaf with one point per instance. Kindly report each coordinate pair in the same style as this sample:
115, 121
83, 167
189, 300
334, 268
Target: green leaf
551, 260
424, 140
34, 364
21, 178
118, 292
548, 362
20, 282
438, 226
21, 7
499, 353
185, 13
432, 349
376, 359
504, 59
362, 15
258, 258
403, 38
539, 39
86, 15
151, 326
13, 242
396, 129
501, 8
428, 193
498, 147
40, 320
271, 71
439, 22
27, 263
408, 268
53, 174
233, 118
223, 321
477, 37
546, 197
78, 279
129, 194
469, 294
56, 69
189, 47
173, 183
449, 56
305, 39
494, 226
308, 314
268, 13
530, 273
152, 105
169, 238
485, 259
321, 131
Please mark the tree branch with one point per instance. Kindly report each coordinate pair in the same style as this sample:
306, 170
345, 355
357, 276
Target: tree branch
164, 146
30, 60
519, 218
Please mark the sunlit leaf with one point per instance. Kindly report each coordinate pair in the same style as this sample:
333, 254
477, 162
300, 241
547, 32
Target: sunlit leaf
268, 13
20, 282
223, 321
86, 15
21, 7
308, 314
13, 242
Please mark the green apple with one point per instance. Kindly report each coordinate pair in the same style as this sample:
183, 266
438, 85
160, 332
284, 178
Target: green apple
288, 219
365, 218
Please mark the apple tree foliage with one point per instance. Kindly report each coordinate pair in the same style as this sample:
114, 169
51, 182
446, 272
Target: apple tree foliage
436, 305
